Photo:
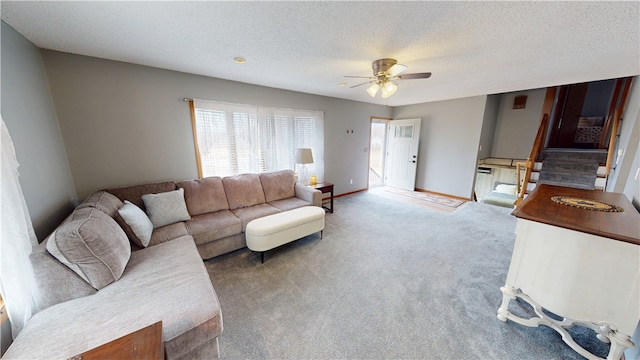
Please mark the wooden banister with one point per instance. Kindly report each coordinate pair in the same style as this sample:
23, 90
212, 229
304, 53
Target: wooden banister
536, 149
519, 177
617, 119
612, 140
618, 102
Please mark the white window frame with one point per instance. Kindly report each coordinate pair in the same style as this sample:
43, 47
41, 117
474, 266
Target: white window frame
231, 139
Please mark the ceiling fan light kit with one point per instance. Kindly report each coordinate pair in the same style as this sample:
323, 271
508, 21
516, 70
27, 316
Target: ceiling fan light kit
384, 72
389, 88
373, 89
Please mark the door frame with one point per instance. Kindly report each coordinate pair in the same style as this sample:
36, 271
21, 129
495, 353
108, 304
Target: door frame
386, 120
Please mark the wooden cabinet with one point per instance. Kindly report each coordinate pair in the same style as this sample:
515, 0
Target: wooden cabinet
144, 344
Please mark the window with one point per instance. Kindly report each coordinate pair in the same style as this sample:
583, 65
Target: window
234, 139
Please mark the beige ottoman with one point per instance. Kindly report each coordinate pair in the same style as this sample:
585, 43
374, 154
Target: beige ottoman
272, 231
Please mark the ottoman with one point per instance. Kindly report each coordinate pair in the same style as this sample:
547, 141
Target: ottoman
274, 230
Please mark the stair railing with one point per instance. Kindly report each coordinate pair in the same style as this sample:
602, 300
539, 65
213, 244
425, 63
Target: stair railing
519, 167
613, 136
612, 141
536, 149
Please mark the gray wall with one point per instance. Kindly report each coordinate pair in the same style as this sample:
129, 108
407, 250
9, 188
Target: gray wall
30, 116
449, 140
516, 128
126, 124
489, 122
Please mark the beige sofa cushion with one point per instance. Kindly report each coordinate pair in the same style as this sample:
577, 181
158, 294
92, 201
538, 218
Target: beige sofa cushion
166, 208
213, 226
103, 201
168, 233
56, 282
243, 190
93, 245
250, 213
289, 204
204, 195
278, 185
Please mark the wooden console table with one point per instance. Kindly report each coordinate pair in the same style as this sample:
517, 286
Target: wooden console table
580, 264
144, 344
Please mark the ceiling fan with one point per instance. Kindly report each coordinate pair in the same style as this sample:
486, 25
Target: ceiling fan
385, 73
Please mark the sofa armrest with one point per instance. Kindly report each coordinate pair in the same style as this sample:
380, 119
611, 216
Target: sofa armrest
309, 194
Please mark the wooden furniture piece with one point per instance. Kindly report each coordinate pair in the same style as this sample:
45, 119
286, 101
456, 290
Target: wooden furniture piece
145, 343
582, 265
325, 187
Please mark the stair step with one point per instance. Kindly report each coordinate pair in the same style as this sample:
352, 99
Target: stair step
578, 168
600, 174
599, 155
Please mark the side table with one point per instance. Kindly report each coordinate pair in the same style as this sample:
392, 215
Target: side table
325, 188
145, 343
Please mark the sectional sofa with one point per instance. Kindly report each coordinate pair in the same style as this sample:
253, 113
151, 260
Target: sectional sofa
219, 209
129, 257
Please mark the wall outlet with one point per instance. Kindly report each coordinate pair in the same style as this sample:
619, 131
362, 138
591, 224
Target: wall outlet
351, 181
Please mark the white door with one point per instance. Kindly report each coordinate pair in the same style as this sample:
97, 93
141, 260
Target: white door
402, 153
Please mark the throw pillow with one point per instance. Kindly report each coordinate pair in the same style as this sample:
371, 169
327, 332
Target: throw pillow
507, 189
135, 223
92, 245
166, 208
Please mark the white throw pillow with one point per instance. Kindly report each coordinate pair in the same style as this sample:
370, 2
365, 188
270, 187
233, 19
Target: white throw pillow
507, 189
136, 224
166, 208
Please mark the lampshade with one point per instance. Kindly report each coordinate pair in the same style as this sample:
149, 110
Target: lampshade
304, 156
389, 88
373, 90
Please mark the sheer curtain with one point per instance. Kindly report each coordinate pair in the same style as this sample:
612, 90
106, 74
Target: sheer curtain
17, 238
233, 138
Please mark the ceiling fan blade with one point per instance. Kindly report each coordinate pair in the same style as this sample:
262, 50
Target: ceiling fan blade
396, 70
368, 82
360, 77
415, 76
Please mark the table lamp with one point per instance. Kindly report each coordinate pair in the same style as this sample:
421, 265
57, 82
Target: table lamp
304, 156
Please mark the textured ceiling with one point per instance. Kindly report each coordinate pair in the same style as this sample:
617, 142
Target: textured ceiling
472, 48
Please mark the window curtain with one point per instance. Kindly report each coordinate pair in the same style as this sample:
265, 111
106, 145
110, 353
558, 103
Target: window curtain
17, 238
233, 138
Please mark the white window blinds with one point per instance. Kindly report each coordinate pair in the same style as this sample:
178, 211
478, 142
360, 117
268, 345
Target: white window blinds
234, 139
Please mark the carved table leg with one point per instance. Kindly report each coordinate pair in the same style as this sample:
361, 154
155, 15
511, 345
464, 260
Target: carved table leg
605, 332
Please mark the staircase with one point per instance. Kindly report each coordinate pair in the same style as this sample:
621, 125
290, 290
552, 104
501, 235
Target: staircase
577, 168
582, 169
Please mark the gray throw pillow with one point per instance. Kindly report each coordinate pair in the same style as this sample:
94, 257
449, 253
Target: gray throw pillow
166, 208
135, 223
93, 245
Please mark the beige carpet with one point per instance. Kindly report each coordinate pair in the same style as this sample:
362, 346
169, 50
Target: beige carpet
388, 280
